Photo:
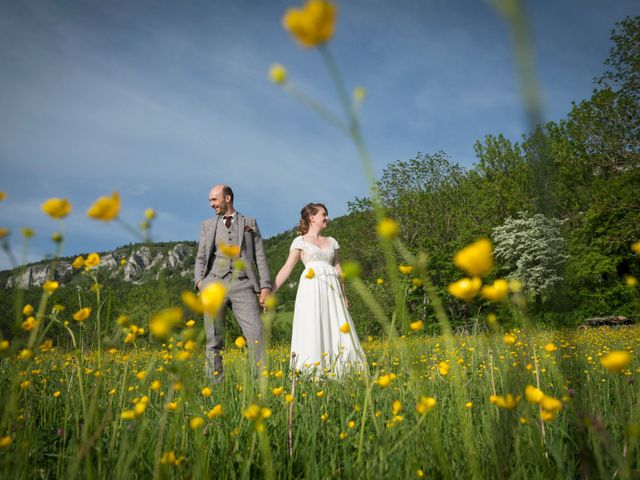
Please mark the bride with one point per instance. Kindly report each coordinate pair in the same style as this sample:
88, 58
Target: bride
323, 340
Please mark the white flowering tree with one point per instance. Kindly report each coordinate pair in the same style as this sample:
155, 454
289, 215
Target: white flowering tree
531, 249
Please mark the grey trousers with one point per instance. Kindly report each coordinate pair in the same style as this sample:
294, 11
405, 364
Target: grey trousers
244, 305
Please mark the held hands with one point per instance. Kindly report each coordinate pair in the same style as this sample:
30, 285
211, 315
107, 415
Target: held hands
263, 296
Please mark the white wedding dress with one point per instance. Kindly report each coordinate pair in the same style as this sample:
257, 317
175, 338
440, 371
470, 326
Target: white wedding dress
318, 344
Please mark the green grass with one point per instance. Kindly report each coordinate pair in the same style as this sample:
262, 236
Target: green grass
81, 432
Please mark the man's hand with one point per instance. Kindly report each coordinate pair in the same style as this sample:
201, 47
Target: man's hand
263, 296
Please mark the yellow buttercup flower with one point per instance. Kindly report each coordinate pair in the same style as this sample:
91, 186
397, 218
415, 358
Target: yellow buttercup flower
551, 404
128, 415
278, 74
636, 247
4, 345
616, 361
139, 409
417, 325
443, 368
5, 441
497, 291
213, 297
277, 391
149, 214
56, 394
229, 251
508, 402
631, 281
214, 412
345, 328
550, 347
82, 314
29, 324
533, 394
93, 260
388, 229
257, 415
240, 342
27, 232
509, 339
385, 380
196, 422
359, 94
192, 301
465, 288
405, 269
190, 323
206, 392
25, 354
105, 208
380, 281
396, 408
57, 208
310, 273
3, 195
425, 404
313, 24
57, 237
164, 321
4, 232
155, 385
476, 259
78, 262
50, 286
27, 309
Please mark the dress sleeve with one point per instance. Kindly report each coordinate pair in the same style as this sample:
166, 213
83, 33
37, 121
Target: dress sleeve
296, 244
336, 245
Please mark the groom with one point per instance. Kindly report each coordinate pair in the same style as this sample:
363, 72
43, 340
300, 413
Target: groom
231, 228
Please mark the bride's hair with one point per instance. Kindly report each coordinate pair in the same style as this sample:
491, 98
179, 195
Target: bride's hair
306, 213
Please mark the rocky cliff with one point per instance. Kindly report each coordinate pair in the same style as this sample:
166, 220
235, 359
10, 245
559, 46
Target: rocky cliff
139, 261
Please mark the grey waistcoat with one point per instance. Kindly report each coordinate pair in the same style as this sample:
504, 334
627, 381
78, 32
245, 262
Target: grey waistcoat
222, 265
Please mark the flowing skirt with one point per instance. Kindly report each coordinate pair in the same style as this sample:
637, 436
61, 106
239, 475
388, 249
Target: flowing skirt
318, 346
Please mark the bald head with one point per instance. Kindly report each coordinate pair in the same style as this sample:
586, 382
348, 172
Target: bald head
221, 199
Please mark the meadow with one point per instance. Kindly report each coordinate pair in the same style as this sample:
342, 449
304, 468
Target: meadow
140, 412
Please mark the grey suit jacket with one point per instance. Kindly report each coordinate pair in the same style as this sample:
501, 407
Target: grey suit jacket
251, 251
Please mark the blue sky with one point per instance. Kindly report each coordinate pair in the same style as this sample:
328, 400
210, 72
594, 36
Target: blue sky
160, 100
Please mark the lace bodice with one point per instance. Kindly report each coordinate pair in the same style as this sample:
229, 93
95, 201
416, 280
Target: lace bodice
312, 253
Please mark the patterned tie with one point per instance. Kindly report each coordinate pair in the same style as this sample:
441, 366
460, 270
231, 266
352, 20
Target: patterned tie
227, 221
